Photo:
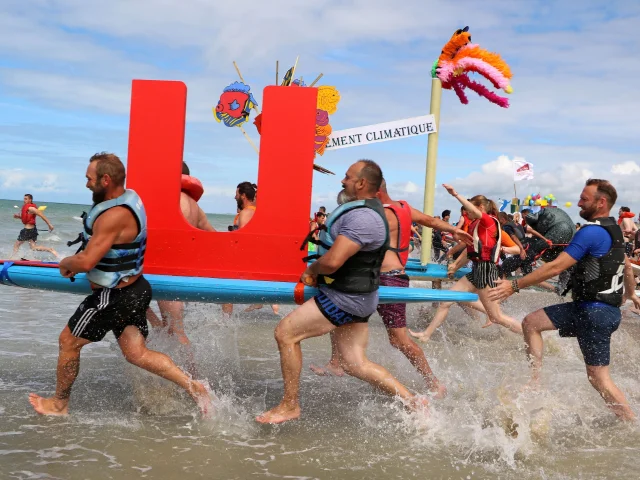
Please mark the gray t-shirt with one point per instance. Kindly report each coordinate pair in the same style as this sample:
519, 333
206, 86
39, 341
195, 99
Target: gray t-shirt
366, 228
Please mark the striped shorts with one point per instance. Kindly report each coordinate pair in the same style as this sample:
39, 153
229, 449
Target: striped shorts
483, 274
112, 309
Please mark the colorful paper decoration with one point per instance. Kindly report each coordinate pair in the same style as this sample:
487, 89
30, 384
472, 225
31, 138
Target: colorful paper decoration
459, 57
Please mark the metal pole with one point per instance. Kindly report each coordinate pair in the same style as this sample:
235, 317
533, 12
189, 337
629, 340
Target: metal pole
430, 178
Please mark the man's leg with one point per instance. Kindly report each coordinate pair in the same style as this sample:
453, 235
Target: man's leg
352, 340
305, 321
39, 248
462, 285
333, 367
67, 371
612, 395
532, 327
172, 313
16, 247
135, 351
399, 338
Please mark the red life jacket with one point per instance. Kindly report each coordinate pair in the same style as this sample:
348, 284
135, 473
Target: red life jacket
28, 218
625, 215
486, 241
192, 187
403, 214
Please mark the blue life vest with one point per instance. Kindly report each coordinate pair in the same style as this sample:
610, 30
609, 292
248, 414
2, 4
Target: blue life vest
122, 260
361, 272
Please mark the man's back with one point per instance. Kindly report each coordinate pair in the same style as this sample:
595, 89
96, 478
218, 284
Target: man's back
193, 214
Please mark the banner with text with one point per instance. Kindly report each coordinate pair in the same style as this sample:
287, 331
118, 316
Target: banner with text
382, 132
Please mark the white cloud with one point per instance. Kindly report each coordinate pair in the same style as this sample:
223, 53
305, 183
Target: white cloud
30, 180
77, 55
626, 168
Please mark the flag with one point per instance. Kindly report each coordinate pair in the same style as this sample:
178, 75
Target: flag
522, 170
503, 207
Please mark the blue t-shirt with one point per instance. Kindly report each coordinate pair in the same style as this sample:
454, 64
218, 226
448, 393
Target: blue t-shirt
591, 240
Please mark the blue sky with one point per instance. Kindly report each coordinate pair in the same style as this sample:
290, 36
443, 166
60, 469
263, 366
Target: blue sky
66, 68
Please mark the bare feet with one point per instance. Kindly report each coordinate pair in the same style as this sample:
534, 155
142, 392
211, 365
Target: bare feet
202, 397
252, 308
420, 336
417, 403
488, 324
438, 390
279, 414
276, 309
328, 370
49, 406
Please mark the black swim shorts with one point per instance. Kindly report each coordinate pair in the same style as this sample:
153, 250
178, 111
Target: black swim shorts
335, 314
112, 309
28, 234
592, 323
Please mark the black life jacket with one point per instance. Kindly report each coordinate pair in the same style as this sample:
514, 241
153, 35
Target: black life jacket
361, 272
601, 279
518, 230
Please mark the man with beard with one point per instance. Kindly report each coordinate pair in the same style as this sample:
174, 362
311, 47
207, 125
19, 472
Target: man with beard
246, 200
115, 234
348, 275
603, 277
400, 217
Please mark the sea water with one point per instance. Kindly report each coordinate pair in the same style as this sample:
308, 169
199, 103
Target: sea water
126, 423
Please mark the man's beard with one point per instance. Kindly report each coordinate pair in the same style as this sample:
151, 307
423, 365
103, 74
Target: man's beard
240, 203
98, 194
588, 213
343, 197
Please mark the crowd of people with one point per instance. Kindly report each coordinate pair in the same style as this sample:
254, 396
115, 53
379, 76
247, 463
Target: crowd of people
362, 245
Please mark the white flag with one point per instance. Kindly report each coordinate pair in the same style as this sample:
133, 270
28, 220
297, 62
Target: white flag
522, 170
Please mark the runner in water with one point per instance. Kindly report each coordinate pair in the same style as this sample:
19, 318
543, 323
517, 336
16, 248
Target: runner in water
484, 253
115, 236
603, 277
348, 275
29, 232
400, 216
172, 312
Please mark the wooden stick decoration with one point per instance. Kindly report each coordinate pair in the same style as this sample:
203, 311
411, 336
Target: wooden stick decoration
316, 80
293, 72
238, 70
277, 72
249, 140
255, 107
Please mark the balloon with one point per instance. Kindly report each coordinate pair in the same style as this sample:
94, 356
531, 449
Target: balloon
531, 203
568, 204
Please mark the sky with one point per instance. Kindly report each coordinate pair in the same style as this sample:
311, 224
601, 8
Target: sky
66, 68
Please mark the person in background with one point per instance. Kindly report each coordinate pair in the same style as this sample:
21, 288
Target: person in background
29, 232
172, 312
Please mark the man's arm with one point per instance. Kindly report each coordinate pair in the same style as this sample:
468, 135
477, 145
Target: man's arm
106, 230
203, 221
545, 272
535, 233
37, 212
245, 216
523, 253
